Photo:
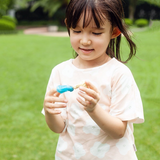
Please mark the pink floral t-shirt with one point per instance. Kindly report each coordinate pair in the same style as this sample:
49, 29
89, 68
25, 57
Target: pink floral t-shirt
82, 138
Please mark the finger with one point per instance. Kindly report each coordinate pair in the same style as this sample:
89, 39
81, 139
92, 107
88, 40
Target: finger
55, 99
53, 92
81, 101
57, 94
86, 104
53, 112
91, 86
87, 97
88, 91
55, 105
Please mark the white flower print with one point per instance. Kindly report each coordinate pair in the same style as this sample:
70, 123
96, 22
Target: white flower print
57, 158
126, 83
78, 150
63, 112
107, 91
130, 108
91, 127
62, 145
99, 150
75, 111
71, 129
123, 146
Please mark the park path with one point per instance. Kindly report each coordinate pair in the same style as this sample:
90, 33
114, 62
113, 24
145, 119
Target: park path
44, 31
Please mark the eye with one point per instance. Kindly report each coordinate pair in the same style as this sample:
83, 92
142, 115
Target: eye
96, 33
76, 31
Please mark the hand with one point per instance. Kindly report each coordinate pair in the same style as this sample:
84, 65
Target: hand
50, 104
90, 95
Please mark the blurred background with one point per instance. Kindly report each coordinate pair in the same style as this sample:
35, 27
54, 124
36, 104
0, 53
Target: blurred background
33, 39
33, 13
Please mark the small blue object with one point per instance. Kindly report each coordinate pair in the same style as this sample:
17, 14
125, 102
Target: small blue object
64, 88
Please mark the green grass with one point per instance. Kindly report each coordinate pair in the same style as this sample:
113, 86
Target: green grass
26, 62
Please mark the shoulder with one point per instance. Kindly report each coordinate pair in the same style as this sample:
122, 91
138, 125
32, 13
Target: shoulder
121, 74
60, 68
120, 69
62, 65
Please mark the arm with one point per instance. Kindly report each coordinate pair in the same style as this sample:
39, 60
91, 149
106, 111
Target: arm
109, 124
52, 115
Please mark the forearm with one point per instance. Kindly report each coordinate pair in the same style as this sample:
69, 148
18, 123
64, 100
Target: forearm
55, 122
113, 126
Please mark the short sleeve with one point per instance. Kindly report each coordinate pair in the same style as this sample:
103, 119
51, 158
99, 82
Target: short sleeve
53, 82
126, 103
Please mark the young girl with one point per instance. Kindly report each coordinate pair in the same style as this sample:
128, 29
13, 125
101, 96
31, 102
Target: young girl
94, 122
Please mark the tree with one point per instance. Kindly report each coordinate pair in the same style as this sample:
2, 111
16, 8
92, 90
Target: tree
134, 3
132, 8
22, 3
155, 2
4, 5
50, 6
152, 12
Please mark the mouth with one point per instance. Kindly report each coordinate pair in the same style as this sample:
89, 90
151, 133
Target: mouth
86, 51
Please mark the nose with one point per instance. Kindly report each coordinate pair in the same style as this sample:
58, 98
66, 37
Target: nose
85, 41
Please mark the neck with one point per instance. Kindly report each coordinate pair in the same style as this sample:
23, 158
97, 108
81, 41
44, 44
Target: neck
84, 64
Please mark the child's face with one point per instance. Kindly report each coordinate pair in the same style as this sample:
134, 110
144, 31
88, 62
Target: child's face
91, 43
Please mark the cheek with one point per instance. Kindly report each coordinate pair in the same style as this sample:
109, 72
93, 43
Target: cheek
74, 42
101, 43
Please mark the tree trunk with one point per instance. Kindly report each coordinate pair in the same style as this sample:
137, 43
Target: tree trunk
132, 8
131, 12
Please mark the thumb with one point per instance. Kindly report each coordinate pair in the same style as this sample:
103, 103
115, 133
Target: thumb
57, 94
91, 86
53, 92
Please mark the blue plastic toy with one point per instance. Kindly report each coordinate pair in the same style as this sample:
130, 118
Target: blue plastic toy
64, 88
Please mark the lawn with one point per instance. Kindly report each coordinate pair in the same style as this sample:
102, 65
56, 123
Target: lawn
26, 62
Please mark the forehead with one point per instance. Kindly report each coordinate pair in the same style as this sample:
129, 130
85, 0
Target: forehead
91, 19
89, 13
87, 21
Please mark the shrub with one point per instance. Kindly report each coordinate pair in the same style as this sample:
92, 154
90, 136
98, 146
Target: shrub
128, 21
6, 25
8, 18
141, 22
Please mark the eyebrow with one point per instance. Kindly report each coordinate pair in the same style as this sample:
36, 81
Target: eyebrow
98, 28
93, 28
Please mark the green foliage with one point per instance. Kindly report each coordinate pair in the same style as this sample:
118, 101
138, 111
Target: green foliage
3, 7
141, 22
128, 21
155, 2
22, 3
6, 25
10, 19
50, 6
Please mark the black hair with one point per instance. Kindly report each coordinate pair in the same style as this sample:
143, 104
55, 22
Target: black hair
100, 10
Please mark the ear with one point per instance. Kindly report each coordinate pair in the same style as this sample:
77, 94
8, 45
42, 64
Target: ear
115, 33
65, 21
